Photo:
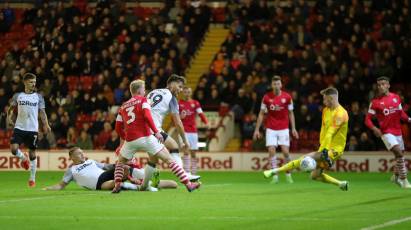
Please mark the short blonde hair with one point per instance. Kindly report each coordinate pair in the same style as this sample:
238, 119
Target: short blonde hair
136, 85
329, 91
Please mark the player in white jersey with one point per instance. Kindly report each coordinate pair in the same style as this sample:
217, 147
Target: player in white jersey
98, 176
163, 102
30, 105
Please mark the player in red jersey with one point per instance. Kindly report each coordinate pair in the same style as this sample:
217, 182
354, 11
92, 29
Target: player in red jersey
386, 107
279, 108
189, 108
135, 125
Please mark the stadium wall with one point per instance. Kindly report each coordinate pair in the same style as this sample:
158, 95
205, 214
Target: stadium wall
351, 162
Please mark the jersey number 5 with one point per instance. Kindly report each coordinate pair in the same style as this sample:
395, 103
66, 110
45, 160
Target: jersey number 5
131, 115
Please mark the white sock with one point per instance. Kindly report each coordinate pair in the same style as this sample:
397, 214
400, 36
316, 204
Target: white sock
20, 155
177, 158
129, 186
33, 168
148, 173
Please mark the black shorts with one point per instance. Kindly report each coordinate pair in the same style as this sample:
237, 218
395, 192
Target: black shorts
104, 177
165, 135
28, 138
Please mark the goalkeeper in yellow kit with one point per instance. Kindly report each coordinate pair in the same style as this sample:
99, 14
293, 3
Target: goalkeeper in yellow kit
333, 137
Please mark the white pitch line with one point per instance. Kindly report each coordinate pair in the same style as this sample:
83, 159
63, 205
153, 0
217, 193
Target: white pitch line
389, 223
43, 198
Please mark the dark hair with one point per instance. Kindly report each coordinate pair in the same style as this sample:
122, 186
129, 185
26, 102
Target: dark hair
177, 78
276, 78
329, 91
29, 76
383, 78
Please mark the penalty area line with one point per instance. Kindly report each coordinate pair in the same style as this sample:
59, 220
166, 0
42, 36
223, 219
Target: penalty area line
388, 223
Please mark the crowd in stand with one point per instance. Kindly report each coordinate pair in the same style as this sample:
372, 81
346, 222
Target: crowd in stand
344, 43
110, 45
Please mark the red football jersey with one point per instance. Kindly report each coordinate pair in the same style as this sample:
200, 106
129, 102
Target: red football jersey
277, 108
189, 109
131, 114
388, 111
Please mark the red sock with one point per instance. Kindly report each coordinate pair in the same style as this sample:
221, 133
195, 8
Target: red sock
119, 172
402, 171
179, 172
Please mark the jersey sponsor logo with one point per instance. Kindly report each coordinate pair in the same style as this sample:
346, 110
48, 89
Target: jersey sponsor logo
29, 103
83, 166
389, 111
276, 107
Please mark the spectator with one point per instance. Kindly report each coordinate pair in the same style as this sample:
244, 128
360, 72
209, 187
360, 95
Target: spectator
113, 142
84, 141
42, 142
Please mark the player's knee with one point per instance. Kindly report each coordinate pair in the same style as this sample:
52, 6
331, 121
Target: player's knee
314, 176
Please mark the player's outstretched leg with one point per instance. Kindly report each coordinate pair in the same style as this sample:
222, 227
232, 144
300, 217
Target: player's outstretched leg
320, 176
287, 167
177, 170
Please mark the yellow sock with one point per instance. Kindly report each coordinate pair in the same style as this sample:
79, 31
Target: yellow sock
290, 165
328, 179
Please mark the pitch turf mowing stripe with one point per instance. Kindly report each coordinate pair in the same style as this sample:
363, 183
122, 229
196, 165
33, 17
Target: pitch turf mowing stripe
389, 223
218, 218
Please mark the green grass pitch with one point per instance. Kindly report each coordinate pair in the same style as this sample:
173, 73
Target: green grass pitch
227, 200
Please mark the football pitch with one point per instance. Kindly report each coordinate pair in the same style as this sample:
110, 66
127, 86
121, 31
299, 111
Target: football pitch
227, 200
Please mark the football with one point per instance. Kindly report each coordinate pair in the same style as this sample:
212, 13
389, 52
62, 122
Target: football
308, 164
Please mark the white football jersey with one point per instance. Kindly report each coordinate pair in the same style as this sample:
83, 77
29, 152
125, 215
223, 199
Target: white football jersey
162, 102
28, 106
85, 175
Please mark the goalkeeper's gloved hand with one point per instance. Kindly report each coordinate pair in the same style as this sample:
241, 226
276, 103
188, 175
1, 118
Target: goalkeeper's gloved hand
326, 158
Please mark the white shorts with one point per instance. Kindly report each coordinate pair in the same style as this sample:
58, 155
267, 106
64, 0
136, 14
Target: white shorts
138, 173
192, 139
147, 144
391, 141
277, 137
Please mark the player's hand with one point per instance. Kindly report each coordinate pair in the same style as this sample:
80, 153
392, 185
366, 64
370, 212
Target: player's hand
256, 135
159, 137
46, 128
295, 133
377, 132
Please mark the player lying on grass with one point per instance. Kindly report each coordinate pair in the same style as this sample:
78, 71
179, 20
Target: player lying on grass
98, 176
332, 140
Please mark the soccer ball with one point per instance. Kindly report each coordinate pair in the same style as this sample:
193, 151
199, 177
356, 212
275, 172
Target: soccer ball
308, 164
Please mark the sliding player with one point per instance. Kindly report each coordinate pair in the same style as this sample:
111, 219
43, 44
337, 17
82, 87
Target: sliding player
333, 138
98, 176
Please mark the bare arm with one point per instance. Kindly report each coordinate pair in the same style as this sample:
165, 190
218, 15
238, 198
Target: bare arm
44, 120
292, 122
59, 186
257, 134
175, 117
10, 114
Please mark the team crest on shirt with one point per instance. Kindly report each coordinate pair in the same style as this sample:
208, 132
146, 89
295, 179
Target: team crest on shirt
192, 105
271, 100
283, 100
395, 100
